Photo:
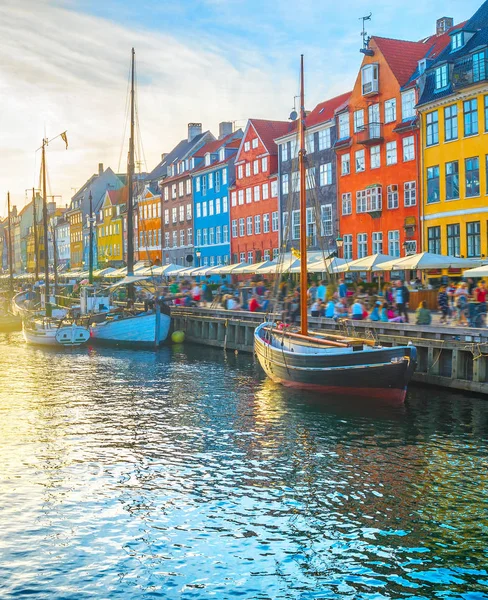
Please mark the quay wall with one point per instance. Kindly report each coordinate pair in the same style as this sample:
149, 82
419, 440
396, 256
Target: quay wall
454, 358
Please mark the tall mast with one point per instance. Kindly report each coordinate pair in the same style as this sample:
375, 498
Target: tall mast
36, 242
90, 241
130, 177
45, 225
303, 210
10, 255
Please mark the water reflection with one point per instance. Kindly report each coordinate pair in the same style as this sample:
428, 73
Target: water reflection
185, 473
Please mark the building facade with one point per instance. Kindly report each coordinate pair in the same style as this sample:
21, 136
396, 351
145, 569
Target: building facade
109, 229
254, 209
454, 120
321, 179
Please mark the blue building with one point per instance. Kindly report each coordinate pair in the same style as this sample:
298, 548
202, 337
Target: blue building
212, 178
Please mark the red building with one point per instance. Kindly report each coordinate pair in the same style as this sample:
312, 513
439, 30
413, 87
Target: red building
378, 151
254, 210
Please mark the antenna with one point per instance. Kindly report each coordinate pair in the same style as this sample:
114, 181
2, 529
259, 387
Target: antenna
366, 38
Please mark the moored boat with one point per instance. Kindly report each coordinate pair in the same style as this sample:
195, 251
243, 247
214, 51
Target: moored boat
50, 332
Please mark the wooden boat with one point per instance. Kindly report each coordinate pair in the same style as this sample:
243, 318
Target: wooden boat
327, 363
130, 327
51, 332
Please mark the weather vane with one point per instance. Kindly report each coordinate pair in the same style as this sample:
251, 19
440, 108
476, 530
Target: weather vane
364, 34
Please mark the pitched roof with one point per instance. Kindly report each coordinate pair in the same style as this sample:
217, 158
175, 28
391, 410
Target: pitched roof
324, 111
268, 131
178, 152
119, 196
402, 56
213, 147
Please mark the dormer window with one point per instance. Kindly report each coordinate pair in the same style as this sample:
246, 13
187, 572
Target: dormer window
457, 41
222, 154
422, 66
441, 77
207, 159
369, 79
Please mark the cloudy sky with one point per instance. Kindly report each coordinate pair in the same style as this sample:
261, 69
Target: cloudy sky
64, 65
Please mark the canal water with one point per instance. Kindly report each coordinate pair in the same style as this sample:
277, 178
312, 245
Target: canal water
186, 474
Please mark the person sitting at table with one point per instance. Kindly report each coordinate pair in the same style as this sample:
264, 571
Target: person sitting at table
374, 315
480, 292
357, 310
423, 316
461, 296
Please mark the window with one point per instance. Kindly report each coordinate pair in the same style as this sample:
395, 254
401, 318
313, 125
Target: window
175, 239
374, 121
166, 239
225, 232
225, 204
471, 117
248, 196
368, 200
255, 143
394, 243
248, 169
375, 157
257, 193
217, 206
472, 166
432, 121
345, 164
274, 189
310, 143
347, 246
166, 190
264, 164
293, 148
324, 139
310, 178
347, 204
241, 228
217, 181
242, 257
205, 237
204, 209
486, 172
284, 183
197, 187
239, 172
391, 153
433, 184
166, 215
265, 191
189, 235
408, 148
250, 257
266, 255
325, 175
210, 208
360, 161
182, 213
473, 239
266, 223
390, 110
344, 125
486, 113
456, 41
174, 215
211, 236
295, 224
284, 152
255, 167
479, 66
454, 240
392, 193
358, 120
274, 221
311, 229
173, 191
182, 237
362, 239
377, 242
233, 198
181, 189
408, 104
410, 193
257, 224
326, 218
234, 228
451, 123
295, 182
224, 176
210, 181
247, 146
369, 79
249, 226
441, 77
452, 180
434, 240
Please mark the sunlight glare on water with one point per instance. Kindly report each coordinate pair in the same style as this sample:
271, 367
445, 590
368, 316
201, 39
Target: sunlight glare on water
186, 474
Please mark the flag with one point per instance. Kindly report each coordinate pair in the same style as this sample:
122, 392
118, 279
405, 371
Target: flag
295, 252
64, 137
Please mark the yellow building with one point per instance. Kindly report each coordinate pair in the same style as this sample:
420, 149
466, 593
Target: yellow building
75, 219
453, 110
110, 235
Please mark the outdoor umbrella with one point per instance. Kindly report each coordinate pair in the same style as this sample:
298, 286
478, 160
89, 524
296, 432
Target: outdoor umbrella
425, 261
477, 272
367, 263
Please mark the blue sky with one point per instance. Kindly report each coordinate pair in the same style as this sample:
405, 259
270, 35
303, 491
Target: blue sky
66, 63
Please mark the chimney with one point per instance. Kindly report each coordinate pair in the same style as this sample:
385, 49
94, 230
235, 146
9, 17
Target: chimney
13, 211
100, 169
51, 208
443, 25
163, 156
194, 129
225, 129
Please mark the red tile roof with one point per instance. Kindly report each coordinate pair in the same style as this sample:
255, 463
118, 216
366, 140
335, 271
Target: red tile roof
324, 111
118, 196
437, 43
401, 56
268, 131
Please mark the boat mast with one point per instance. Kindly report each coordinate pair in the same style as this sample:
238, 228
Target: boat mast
90, 241
130, 177
45, 225
10, 255
36, 241
303, 209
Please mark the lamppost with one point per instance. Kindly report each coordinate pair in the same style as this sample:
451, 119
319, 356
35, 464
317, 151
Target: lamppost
198, 254
339, 244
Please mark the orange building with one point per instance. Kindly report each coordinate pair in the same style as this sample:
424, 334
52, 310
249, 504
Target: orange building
149, 227
378, 152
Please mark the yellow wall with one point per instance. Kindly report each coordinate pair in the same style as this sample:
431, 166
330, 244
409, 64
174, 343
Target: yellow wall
463, 210
109, 234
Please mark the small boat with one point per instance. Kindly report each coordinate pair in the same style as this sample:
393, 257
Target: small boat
325, 362
51, 332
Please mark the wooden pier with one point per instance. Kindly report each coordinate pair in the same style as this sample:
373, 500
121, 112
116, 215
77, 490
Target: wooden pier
450, 357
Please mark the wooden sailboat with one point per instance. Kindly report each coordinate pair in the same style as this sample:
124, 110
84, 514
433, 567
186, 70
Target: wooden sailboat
130, 327
329, 364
